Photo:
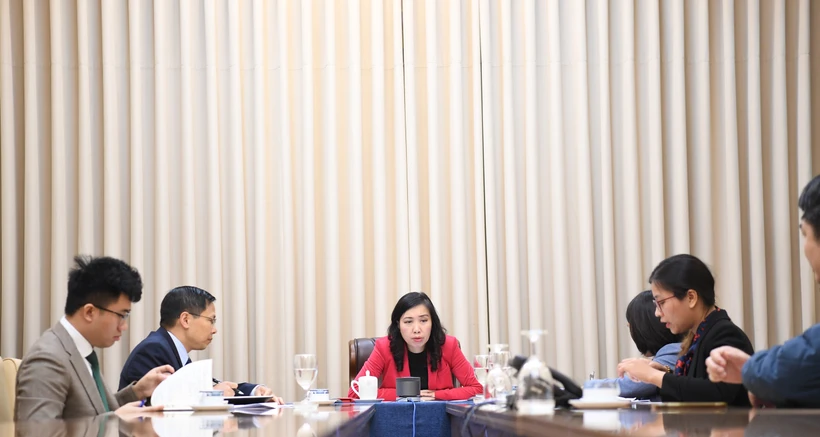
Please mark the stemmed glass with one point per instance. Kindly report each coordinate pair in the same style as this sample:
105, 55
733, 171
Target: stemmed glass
499, 355
533, 335
535, 380
499, 382
481, 363
305, 370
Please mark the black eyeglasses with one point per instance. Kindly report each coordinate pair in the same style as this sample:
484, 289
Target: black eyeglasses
123, 317
659, 303
210, 319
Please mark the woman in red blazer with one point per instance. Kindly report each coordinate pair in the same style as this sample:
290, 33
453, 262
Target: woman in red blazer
417, 345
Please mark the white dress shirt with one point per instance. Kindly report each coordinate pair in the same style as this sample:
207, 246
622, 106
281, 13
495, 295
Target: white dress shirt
82, 344
183, 353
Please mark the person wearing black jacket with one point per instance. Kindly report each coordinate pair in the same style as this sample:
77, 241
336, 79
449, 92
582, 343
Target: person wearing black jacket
684, 291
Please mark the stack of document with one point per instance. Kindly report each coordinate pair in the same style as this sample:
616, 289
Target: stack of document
261, 409
180, 391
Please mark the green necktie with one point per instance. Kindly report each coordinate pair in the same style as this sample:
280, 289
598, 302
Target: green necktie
95, 370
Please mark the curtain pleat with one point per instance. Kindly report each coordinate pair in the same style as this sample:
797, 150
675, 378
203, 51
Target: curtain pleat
64, 125
664, 127
308, 162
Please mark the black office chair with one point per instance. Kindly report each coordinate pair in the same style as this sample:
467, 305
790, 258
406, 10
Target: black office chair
360, 350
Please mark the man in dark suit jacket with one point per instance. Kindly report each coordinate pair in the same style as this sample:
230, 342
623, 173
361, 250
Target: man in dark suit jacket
187, 323
60, 376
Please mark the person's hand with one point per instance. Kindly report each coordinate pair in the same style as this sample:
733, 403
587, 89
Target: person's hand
428, 395
658, 366
262, 390
640, 370
753, 400
133, 410
725, 364
228, 388
759, 403
146, 385
752, 411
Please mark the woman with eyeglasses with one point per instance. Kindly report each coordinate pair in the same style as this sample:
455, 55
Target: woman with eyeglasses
684, 293
655, 342
418, 345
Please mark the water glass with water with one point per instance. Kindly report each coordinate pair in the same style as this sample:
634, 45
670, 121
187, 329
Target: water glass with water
305, 370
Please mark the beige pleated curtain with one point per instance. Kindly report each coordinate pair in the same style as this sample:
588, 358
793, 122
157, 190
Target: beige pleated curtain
526, 163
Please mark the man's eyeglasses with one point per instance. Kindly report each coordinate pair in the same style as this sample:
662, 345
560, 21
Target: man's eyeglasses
210, 319
659, 303
123, 317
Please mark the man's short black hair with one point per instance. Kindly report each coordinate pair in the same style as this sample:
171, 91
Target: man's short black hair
100, 281
809, 203
186, 298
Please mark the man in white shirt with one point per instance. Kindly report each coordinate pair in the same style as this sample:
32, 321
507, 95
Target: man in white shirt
60, 377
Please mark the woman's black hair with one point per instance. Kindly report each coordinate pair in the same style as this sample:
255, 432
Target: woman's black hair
437, 334
647, 331
680, 273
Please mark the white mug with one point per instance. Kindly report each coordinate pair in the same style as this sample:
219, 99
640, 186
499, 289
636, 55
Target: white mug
601, 390
212, 397
366, 387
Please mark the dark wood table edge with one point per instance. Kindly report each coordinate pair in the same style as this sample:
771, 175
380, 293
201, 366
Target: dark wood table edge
511, 423
351, 427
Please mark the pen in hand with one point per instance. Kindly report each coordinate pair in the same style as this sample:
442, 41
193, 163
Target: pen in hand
237, 391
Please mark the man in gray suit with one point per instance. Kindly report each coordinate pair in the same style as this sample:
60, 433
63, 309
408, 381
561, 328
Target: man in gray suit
60, 376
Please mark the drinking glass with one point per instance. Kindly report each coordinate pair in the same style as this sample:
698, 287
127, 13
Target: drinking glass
305, 370
480, 364
535, 388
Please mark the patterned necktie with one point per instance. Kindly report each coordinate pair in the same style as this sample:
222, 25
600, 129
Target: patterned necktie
95, 370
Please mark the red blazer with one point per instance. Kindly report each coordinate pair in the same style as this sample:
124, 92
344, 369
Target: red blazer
453, 362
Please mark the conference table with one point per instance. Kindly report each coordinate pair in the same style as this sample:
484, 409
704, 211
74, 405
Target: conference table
395, 419
640, 421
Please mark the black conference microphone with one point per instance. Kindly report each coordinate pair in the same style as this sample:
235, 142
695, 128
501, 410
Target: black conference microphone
408, 389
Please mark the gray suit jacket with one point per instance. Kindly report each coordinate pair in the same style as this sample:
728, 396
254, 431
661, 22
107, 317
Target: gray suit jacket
54, 382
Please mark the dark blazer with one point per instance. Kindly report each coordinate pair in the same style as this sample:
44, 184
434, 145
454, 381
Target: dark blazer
696, 386
54, 382
158, 349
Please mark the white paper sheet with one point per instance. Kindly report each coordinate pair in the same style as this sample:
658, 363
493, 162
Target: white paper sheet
182, 388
